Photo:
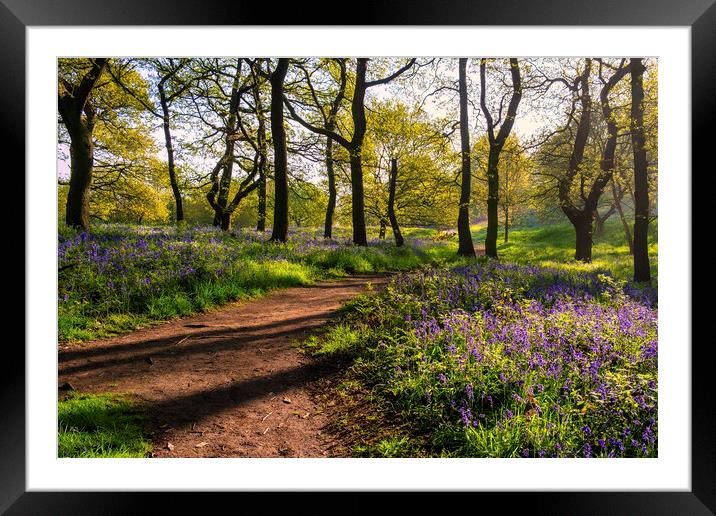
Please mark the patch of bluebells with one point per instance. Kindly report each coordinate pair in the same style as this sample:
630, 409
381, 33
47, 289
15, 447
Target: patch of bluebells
121, 268
556, 363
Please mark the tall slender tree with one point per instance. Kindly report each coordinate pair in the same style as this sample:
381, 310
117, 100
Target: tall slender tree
355, 150
642, 272
261, 147
423, 190
78, 115
465, 247
354, 146
278, 134
170, 87
516, 169
330, 124
169, 90
328, 111
391, 203
618, 195
497, 142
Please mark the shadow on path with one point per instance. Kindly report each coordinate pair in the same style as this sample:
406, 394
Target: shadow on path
193, 342
234, 369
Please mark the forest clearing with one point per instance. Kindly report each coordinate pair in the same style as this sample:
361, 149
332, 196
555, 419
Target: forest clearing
339, 257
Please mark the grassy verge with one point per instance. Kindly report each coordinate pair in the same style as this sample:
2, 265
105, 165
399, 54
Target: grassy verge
82, 320
101, 425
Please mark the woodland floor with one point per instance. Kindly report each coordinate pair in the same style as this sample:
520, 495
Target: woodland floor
230, 382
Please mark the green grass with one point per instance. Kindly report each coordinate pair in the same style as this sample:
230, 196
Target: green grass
550, 245
101, 425
553, 245
253, 280
391, 447
365, 260
338, 338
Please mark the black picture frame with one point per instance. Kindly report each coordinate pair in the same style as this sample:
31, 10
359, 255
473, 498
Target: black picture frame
16, 15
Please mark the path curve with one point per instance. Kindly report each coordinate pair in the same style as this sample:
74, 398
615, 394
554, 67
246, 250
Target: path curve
229, 382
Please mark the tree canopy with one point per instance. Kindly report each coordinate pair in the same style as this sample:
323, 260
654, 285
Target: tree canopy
367, 142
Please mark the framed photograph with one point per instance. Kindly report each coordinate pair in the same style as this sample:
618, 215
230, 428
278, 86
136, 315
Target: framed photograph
40, 37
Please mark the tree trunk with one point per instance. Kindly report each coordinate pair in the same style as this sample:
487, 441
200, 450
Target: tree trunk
506, 203
225, 221
600, 220
583, 222
583, 229
383, 227
507, 221
493, 198
359, 129
599, 223
261, 144
627, 230
81, 162
497, 142
391, 203
355, 145
331, 208
72, 103
465, 247
330, 172
278, 133
170, 154
357, 204
222, 202
261, 222
618, 206
642, 272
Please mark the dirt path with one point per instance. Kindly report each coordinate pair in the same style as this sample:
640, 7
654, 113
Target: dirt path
227, 383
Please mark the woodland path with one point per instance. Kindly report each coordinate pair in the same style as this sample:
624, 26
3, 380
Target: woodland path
229, 382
